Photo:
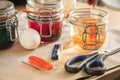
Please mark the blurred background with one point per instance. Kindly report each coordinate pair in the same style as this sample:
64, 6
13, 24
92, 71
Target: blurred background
112, 4
112, 7
19, 2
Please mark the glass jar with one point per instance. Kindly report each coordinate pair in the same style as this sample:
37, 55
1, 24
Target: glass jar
88, 27
8, 24
45, 16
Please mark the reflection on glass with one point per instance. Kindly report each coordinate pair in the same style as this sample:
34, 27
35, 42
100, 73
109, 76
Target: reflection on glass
68, 6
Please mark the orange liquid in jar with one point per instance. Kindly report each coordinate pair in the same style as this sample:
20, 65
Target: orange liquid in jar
77, 33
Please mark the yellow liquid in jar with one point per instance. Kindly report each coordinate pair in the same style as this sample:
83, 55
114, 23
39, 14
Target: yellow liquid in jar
77, 34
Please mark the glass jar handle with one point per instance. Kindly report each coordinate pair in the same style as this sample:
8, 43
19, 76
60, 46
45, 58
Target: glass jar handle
15, 25
8, 27
50, 28
50, 23
96, 38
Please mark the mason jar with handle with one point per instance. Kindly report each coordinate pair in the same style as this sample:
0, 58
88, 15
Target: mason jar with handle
8, 24
45, 16
88, 28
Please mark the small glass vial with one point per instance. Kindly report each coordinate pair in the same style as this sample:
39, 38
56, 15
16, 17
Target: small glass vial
88, 27
45, 16
8, 24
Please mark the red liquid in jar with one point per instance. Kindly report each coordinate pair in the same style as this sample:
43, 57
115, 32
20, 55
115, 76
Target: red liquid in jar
90, 2
56, 30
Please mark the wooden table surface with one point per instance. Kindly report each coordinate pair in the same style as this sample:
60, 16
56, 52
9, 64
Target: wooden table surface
11, 67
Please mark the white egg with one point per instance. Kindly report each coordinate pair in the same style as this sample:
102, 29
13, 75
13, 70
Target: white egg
29, 39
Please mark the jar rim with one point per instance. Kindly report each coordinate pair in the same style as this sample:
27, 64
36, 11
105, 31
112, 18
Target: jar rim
45, 2
3, 22
87, 12
46, 22
36, 8
9, 15
55, 17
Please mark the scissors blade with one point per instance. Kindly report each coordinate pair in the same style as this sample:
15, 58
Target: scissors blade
112, 51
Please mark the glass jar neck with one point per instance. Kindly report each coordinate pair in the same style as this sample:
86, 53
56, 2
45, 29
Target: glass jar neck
88, 16
47, 5
44, 2
56, 17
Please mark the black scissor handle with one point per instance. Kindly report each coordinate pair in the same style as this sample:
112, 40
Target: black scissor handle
82, 61
95, 67
77, 68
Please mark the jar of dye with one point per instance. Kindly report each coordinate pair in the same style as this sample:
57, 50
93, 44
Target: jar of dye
45, 16
88, 28
8, 24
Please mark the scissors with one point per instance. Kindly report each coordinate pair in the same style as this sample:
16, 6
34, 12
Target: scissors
93, 63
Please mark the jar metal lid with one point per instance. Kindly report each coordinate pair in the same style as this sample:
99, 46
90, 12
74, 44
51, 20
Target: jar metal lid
7, 10
5, 5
